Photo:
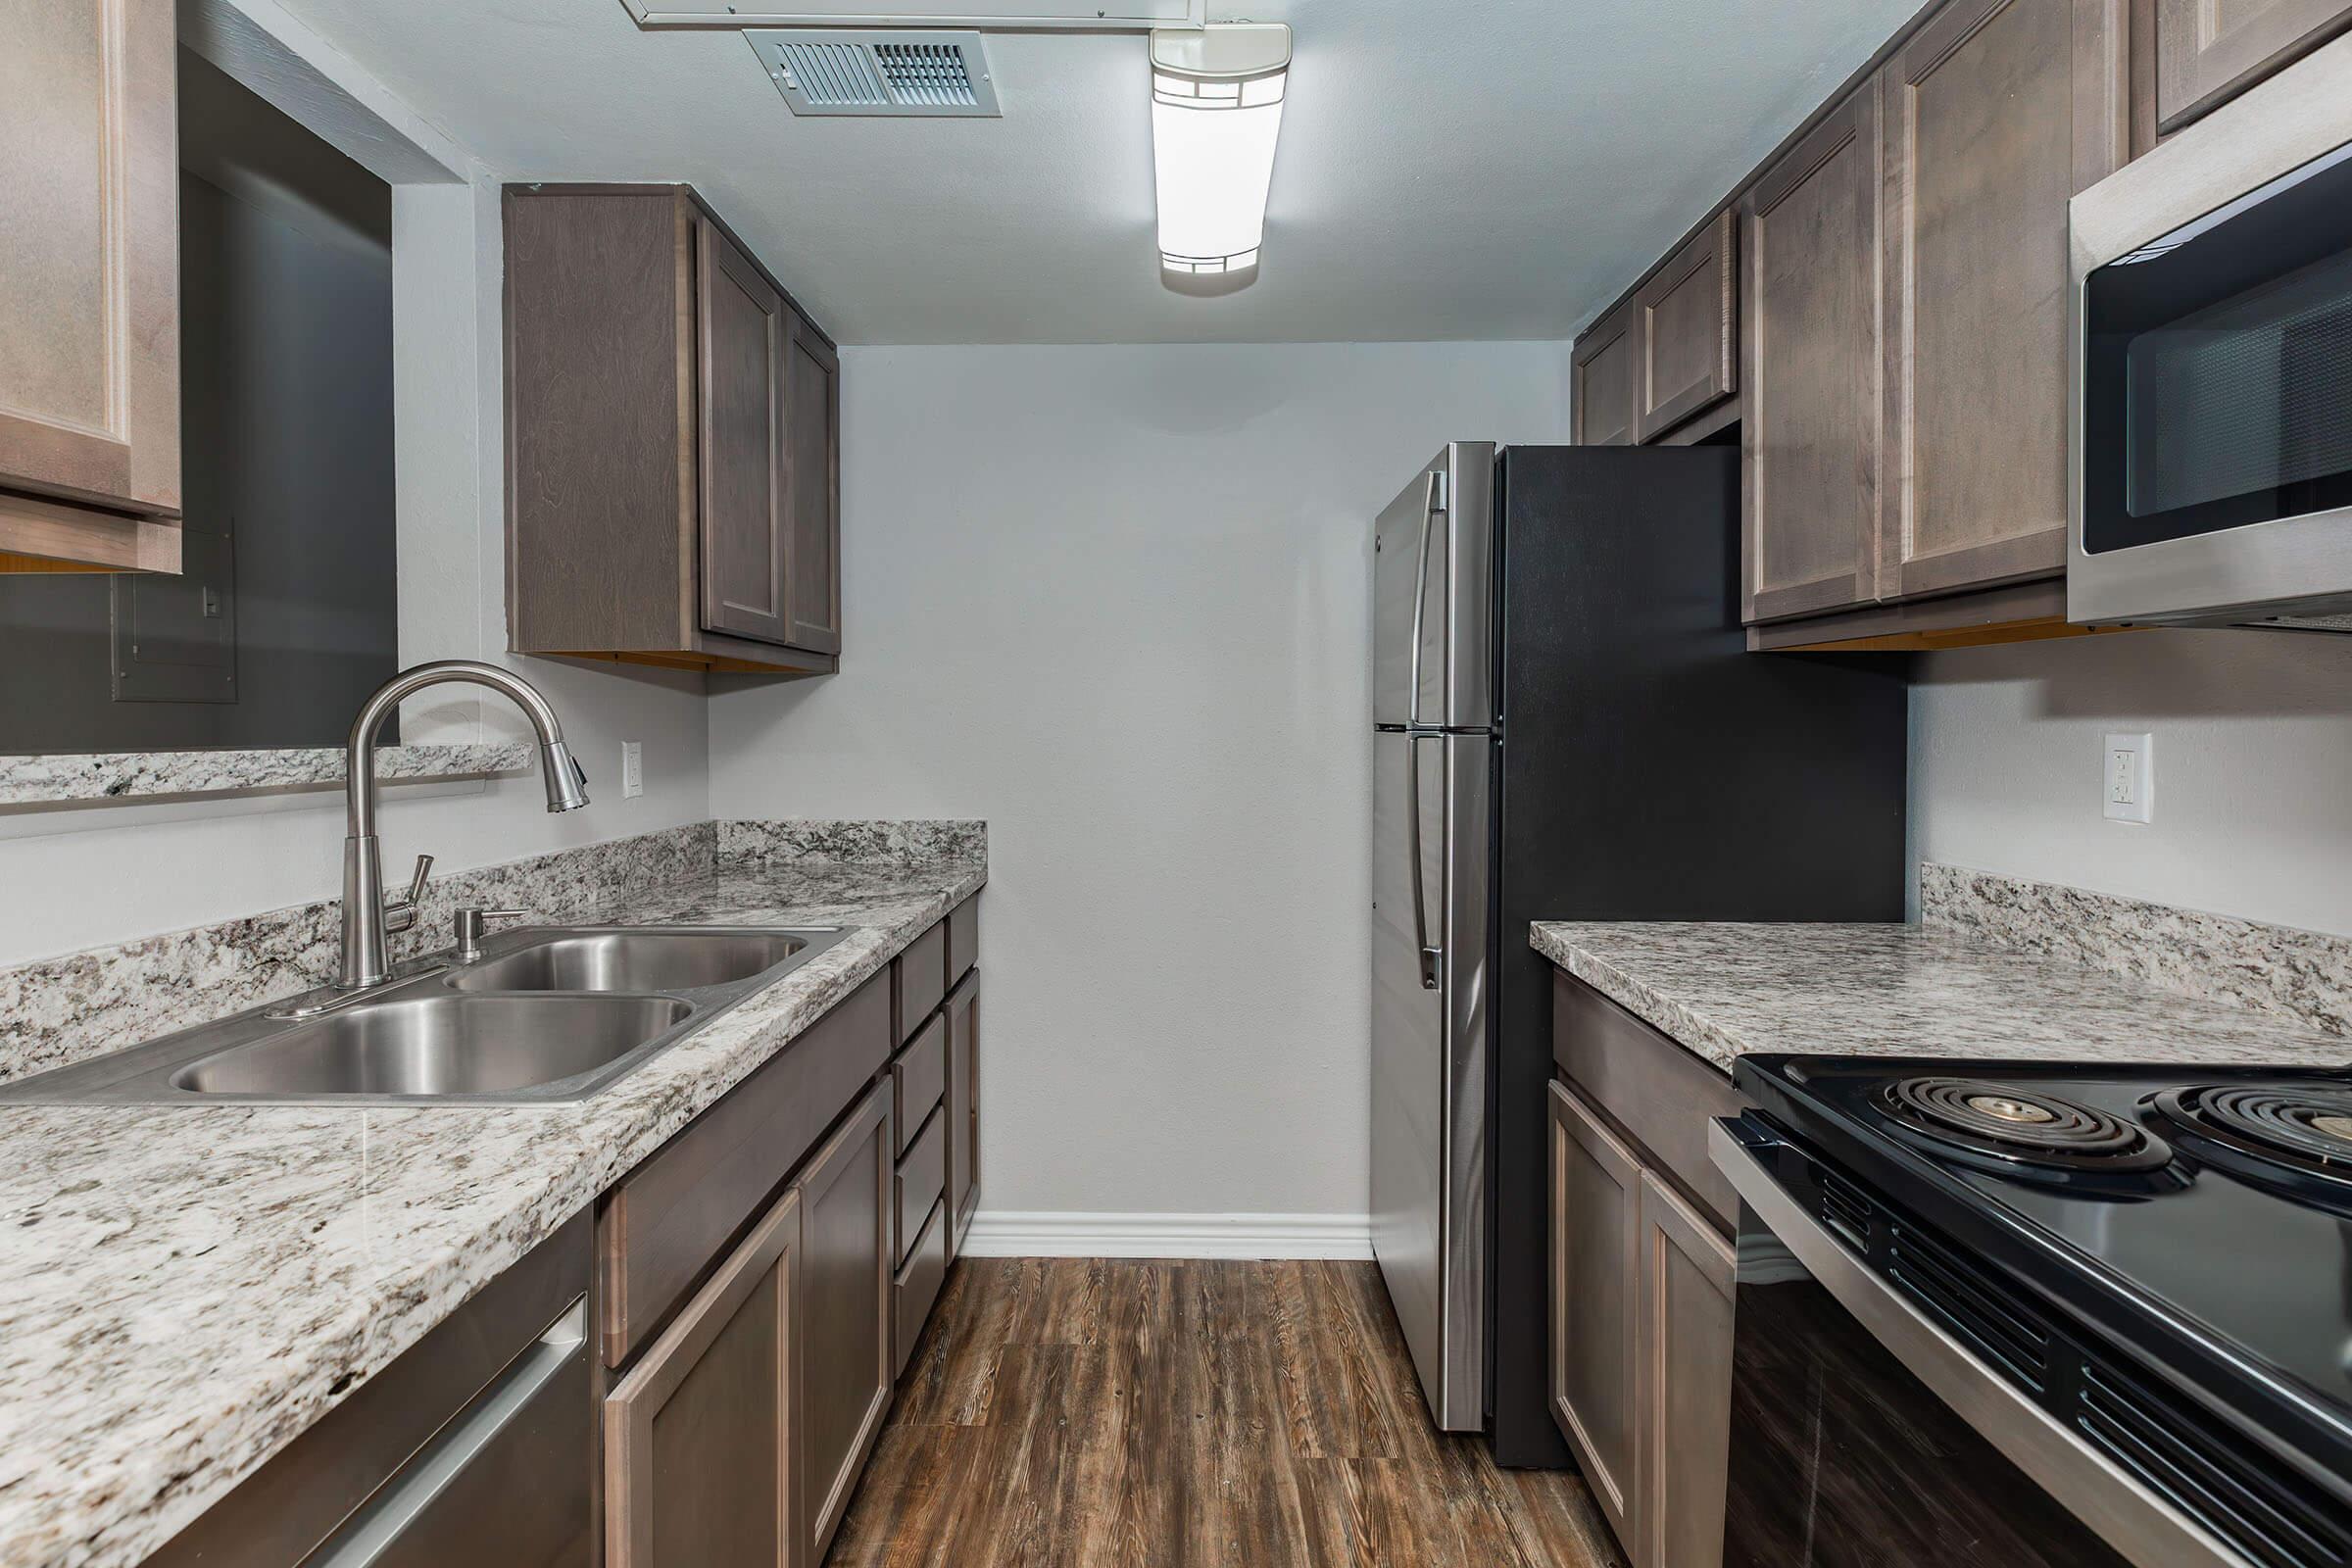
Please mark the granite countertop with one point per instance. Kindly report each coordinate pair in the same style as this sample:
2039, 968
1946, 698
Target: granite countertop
188, 1289
1727, 991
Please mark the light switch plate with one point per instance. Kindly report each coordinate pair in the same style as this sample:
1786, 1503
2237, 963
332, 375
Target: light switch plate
632, 769
2129, 778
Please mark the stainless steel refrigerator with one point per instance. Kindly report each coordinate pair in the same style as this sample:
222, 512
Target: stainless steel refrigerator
1567, 724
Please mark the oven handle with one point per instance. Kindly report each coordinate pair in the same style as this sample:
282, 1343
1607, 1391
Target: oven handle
2134, 1521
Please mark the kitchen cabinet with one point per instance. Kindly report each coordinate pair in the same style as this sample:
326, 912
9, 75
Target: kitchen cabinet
673, 440
1602, 382
90, 343
1996, 112
1643, 1271
2209, 51
701, 1463
1683, 1349
659, 1228
1596, 1240
963, 1106
844, 1307
1812, 434
1686, 331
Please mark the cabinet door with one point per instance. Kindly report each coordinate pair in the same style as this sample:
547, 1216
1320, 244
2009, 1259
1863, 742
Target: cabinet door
1601, 382
813, 452
1810, 433
1686, 1378
742, 342
699, 1436
1595, 1241
845, 1368
963, 1108
1686, 331
89, 244
1997, 111
2208, 51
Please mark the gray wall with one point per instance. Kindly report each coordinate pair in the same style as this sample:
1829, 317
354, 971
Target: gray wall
286, 347
1121, 608
2253, 745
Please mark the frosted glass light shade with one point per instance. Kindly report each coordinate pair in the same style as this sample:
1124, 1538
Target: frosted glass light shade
1216, 115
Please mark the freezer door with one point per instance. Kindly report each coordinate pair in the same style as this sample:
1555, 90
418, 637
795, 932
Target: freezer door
1431, 813
1433, 574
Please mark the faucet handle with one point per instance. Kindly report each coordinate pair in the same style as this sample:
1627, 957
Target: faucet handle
401, 914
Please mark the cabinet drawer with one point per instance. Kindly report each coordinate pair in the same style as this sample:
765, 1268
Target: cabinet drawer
918, 1080
916, 1288
1649, 1086
663, 1225
921, 974
922, 1180
963, 939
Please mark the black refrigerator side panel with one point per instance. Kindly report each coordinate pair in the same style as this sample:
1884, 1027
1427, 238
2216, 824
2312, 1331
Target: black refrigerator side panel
1652, 769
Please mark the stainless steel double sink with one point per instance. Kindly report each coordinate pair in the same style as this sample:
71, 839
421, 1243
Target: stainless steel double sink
544, 1015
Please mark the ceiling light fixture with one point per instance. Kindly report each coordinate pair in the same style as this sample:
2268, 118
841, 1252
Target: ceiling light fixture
1217, 112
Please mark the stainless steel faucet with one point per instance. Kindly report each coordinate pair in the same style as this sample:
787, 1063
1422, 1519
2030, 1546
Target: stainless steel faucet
365, 919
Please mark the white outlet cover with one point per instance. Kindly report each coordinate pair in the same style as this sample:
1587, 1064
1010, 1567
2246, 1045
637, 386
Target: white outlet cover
632, 769
2127, 777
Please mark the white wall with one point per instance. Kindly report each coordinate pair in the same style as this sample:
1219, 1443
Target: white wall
2253, 763
1116, 601
111, 874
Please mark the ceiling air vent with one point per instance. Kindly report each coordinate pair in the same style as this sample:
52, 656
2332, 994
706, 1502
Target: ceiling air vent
880, 72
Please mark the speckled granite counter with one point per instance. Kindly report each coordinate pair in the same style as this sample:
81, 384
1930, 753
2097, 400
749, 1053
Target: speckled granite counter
1726, 991
183, 1291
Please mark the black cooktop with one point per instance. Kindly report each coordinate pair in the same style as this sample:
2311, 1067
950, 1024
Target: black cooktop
2199, 1219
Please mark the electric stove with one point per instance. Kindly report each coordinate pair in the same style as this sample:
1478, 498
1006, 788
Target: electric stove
2147, 1270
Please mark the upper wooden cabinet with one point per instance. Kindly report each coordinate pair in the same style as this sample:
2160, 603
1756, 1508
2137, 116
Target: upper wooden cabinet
1996, 111
2208, 51
1602, 382
672, 440
1811, 434
1686, 331
89, 245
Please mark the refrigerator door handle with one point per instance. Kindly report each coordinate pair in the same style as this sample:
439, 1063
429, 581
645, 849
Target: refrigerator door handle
1433, 503
1431, 958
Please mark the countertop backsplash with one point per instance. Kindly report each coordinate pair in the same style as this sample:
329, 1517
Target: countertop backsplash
2301, 976
69, 1009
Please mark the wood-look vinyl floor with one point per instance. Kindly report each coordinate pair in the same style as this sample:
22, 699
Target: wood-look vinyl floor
1070, 1413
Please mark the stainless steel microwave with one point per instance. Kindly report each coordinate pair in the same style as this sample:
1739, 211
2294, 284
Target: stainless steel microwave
2211, 440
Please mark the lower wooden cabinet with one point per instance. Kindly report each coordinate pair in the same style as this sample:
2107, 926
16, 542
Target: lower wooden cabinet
1641, 1373
1684, 1388
963, 1109
701, 1436
846, 1370
1595, 1219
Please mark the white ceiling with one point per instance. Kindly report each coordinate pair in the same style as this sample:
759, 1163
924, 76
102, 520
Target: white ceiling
1450, 168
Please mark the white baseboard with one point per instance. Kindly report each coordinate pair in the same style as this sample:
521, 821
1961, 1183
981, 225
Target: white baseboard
1057, 1233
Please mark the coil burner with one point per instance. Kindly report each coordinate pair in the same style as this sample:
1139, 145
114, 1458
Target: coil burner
2265, 1129
2019, 1127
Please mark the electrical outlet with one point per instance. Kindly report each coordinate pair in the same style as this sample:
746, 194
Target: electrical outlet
2131, 779
632, 769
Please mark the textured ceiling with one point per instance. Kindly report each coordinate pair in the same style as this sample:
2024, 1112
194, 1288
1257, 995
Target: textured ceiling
1450, 168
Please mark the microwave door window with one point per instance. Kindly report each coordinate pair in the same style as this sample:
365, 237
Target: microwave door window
2218, 369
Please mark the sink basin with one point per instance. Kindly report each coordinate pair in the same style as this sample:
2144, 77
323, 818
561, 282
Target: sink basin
546, 1015
439, 1046
633, 960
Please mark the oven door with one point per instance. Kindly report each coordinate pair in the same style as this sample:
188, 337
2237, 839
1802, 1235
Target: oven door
2212, 421
1864, 1435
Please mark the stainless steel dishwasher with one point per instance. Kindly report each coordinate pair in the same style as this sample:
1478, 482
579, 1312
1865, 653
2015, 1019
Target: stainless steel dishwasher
505, 1484
475, 1447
